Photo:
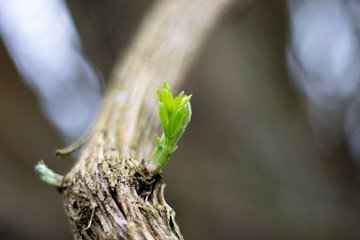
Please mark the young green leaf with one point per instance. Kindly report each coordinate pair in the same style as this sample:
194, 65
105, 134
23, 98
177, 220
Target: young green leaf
174, 116
46, 174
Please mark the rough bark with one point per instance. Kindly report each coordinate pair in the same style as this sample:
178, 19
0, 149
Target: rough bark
109, 194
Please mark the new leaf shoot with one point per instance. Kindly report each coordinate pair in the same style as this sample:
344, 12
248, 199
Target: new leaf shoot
46, 174
174, 114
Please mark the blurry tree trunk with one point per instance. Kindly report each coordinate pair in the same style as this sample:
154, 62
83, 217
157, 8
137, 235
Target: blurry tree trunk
109, 194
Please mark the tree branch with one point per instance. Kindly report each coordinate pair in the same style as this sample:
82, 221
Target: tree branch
109, 193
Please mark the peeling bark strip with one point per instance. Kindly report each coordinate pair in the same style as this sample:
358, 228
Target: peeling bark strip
109, 194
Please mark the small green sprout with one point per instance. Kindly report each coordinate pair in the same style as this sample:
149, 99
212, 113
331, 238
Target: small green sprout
46, 174
174, 114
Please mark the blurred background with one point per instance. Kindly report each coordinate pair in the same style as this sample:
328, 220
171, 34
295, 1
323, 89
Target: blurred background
273, 148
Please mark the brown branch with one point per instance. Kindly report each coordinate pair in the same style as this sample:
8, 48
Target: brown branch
108, 193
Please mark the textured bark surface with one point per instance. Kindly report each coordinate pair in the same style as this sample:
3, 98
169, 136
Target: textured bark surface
108, 193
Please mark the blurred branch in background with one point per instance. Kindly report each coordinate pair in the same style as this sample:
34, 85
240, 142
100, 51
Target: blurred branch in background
44, 44
324, 58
